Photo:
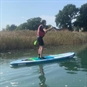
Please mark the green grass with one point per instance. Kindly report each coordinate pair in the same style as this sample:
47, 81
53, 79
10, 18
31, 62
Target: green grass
16, 40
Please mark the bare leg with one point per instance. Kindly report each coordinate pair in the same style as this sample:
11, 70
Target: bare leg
40, 51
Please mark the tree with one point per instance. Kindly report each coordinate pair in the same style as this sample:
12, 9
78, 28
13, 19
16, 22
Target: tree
22, 26
64, 17
11, 28
7, 27
33, 23
82, 18
3, 29
48, 26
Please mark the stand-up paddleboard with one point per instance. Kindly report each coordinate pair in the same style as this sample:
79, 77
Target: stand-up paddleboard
49, 58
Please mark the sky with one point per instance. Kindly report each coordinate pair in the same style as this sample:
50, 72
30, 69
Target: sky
19, 11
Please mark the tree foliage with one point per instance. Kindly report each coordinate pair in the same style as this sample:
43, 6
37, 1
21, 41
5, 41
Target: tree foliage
64, 17
33, 23
82, 18
11, 28
22, 26
7, 27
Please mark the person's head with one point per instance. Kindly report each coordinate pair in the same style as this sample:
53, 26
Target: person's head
43, 22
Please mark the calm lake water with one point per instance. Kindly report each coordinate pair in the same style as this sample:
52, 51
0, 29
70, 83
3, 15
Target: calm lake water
67, 73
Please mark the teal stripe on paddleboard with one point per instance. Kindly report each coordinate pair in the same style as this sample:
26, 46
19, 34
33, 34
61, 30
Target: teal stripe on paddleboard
33, 59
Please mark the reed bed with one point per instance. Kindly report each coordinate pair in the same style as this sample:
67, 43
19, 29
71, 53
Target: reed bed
16, 40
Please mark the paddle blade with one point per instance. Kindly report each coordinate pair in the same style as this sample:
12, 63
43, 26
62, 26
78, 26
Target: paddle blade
35, 42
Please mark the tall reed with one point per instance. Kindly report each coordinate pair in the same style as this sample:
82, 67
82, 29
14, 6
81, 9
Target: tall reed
15, 40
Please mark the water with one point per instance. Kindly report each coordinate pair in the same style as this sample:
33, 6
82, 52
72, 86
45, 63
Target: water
68, 73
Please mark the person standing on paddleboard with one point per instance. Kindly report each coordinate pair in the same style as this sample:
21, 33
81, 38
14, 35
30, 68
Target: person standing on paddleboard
40, 34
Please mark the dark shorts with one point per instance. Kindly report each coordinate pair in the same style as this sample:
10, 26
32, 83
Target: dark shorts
40, 41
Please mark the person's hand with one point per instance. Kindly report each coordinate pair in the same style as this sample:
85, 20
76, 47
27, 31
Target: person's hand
51, 27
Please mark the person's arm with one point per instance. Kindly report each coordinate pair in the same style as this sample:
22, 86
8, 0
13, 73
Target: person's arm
45, 30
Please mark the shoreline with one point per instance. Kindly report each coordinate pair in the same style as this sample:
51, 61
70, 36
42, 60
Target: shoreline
47, 51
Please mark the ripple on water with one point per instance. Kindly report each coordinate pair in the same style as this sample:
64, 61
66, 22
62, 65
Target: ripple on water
14, 83
1, 73
66, 85
6, 86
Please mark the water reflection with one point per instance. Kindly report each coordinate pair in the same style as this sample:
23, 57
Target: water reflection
70, 65
42, 77
77, 64
83, 59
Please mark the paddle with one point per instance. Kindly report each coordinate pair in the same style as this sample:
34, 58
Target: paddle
35, 42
